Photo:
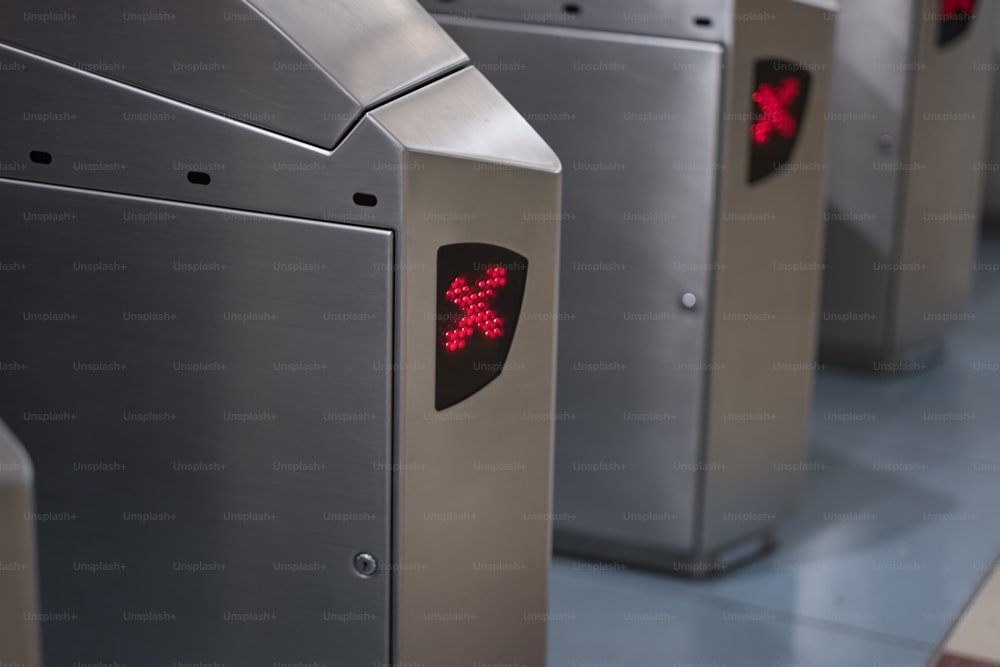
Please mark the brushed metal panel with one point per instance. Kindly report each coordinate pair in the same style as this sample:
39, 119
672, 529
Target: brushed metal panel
311, 79
204, 389
485, 462
870, 98
639, 210
939, 216
19, 622
473, 499
766, 300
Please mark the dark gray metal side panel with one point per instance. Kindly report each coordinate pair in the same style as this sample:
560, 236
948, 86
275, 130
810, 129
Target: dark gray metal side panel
19, 623
638, 223
206, 397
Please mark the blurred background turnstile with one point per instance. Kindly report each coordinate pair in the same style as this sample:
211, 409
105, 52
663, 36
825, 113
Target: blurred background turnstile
693, 138
909, 120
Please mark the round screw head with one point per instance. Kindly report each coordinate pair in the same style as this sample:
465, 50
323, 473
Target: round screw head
689, 300
886, 143
365, 564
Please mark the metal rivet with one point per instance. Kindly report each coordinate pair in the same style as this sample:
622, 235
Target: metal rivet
886, 143
365, 564
689, 300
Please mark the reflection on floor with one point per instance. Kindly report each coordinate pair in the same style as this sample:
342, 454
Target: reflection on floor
896, 531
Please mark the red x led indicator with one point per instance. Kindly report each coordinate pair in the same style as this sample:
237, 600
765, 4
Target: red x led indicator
479, 288
777, 113
952, 9
775, 117
474, 302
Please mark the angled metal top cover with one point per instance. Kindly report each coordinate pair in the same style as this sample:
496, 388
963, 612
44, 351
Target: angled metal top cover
266, 420
267, 62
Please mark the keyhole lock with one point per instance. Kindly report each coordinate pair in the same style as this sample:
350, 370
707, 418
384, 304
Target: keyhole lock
365, 564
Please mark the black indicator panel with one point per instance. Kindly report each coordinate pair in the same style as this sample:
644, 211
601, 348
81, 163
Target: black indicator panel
956, 17
778, 103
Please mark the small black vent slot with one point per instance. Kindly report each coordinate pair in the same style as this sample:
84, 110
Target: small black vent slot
41, 157
365, 199
199, 178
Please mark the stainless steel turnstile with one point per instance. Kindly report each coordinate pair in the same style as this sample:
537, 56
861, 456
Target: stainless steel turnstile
908, 119
19, 617
693, 138
280, 287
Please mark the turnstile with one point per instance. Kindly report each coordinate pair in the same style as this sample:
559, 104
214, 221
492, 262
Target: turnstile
693, 137
278, 281
908, 127
19, 617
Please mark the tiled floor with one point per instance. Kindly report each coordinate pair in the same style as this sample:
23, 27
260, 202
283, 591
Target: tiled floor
893, 538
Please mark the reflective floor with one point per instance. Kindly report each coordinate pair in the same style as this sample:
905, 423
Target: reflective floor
896, 531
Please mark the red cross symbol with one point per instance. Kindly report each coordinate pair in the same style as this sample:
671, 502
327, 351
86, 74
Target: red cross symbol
953, 9
774, 103
474, 304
